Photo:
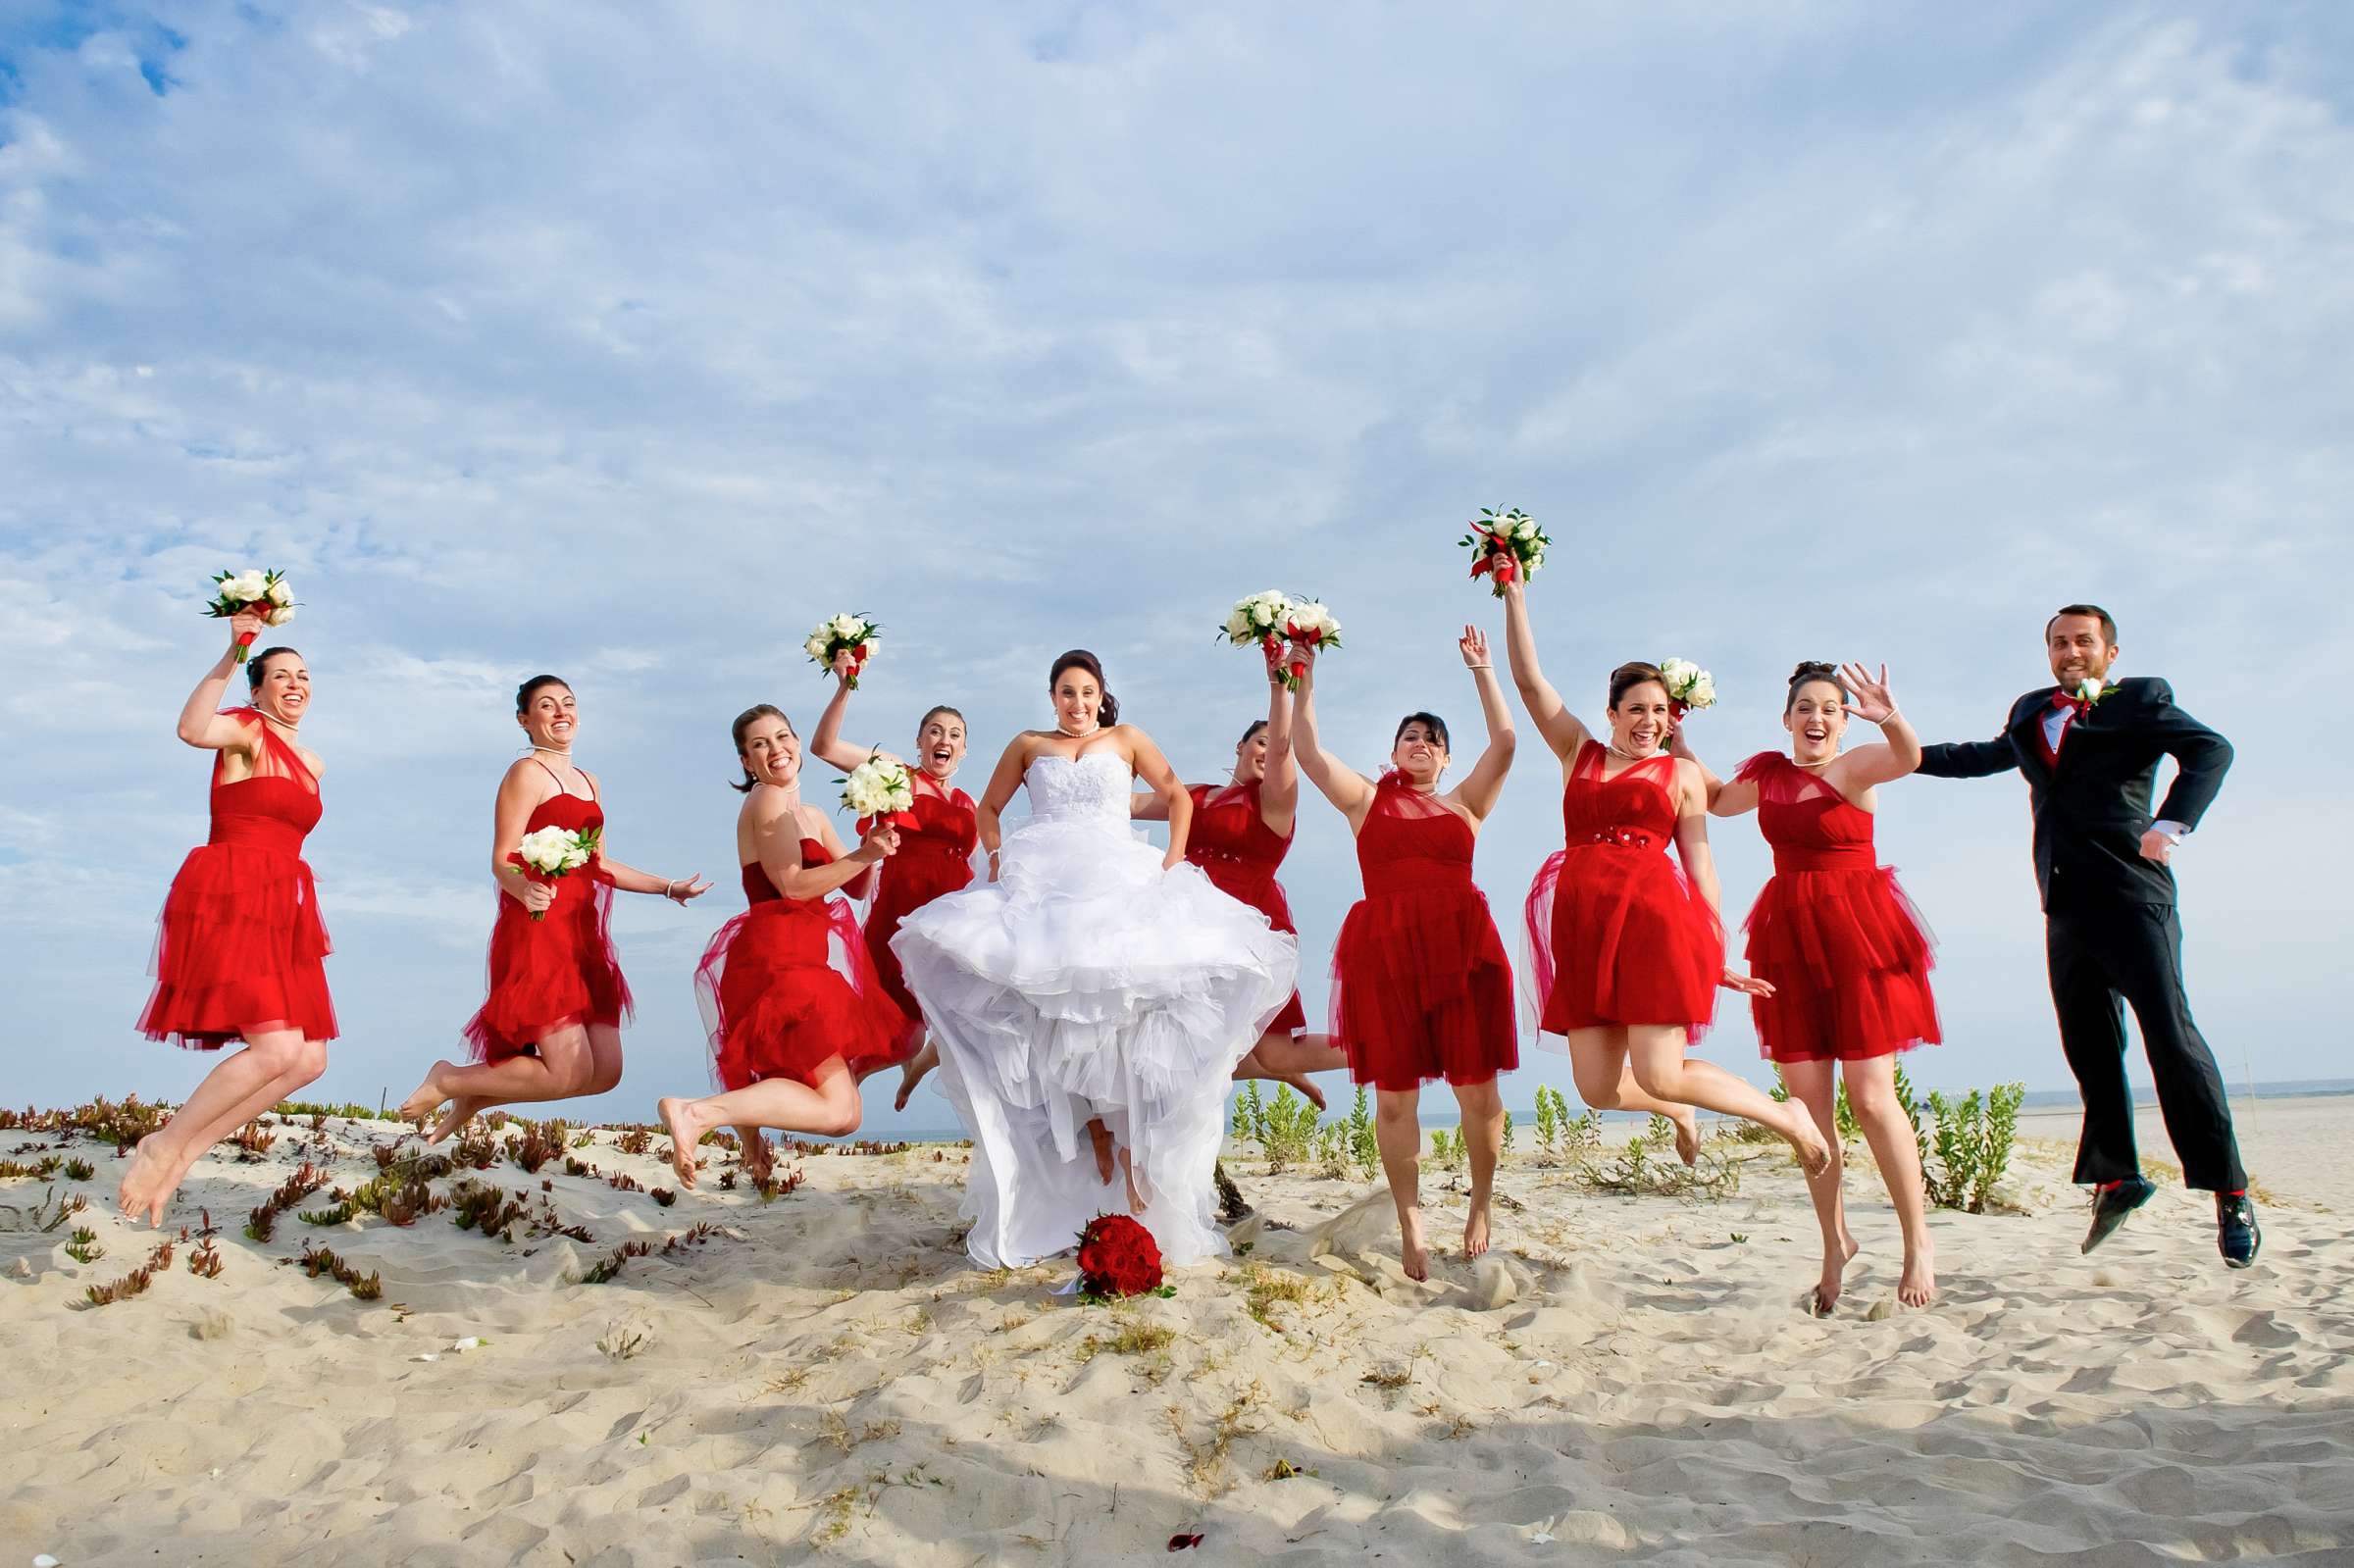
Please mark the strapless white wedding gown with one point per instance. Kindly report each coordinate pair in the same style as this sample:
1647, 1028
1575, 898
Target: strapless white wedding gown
1087, 982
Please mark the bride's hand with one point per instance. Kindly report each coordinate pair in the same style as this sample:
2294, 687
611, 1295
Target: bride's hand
1171, 861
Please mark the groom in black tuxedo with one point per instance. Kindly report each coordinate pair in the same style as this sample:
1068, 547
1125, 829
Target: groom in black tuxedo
2089, 747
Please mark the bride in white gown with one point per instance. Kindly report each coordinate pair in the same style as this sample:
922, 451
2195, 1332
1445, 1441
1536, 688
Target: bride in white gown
1093, 997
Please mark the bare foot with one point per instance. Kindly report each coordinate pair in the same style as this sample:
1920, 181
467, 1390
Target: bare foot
1306, 1087
913, 1073
1687, 1136
1813, 1154
678, 1118
148, 1184
1100, 1136
1411, 1252
1136, 1193
753, 1150
1917, 1286
460, 1112
427, 1097
1476, 1229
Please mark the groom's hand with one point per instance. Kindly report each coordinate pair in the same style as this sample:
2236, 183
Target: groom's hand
2156, 846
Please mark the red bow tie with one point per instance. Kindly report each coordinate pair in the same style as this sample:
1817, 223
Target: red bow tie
2081, 705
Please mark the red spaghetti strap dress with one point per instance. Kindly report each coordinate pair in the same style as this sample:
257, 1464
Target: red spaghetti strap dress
239, 947
1238, 853
548, 973
788, 983
1848, 954
1619, 934
1422, 987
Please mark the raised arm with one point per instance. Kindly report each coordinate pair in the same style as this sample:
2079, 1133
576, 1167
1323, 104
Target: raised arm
1346, 789
1003, 782
826, 741
1562, 729
201, 723
1478, 791
1897, 754
1970, 759
1279, 791
1176, 805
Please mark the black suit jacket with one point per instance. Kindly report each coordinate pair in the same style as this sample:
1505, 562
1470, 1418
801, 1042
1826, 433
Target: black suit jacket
2092, 809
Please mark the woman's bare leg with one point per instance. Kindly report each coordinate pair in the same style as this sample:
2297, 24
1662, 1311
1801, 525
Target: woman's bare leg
1483, 1143
1872, 1094
1398, 1132
1811, 1084
831, 1109
274, 1065
912, 1074
1605, 1081
1290, 1059
1663, 1072
566, 1065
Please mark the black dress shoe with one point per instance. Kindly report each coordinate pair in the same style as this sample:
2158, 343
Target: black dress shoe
2237, 1235
2111, 1205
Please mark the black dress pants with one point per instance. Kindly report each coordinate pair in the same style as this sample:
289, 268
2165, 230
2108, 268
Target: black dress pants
2104, 955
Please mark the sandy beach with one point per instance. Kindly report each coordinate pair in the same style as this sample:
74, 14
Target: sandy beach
824, 1376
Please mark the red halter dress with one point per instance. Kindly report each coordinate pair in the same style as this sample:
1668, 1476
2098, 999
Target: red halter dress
934, 857
1238, 853
1422, 987
1847, 952
239, 945
1619, 934
548, 973
788, 983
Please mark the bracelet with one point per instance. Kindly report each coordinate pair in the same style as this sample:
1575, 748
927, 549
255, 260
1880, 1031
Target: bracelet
1479, 667
670, 889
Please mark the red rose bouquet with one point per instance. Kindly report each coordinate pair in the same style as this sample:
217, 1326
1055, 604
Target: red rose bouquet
1118, 1257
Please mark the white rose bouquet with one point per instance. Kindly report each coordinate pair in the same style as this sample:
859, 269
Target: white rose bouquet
549, 854
1505, 545
1309, 624
853, 634
879, 791
1689, 686
265, 593
1257, 622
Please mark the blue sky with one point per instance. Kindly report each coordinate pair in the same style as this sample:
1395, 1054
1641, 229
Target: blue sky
627, 342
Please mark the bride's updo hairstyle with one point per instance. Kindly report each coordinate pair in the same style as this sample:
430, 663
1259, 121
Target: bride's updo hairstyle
1806, 675
1631, 674
745, 721
1108, 712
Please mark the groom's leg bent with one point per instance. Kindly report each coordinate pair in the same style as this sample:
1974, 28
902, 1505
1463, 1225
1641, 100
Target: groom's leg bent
2148, 968
2092, 1035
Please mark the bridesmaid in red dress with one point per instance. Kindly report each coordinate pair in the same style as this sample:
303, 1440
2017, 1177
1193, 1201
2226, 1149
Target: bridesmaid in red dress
796, 1011
550, 1027
1629, 950
1421, 989
934, 857
1846, 953
239, 950
1241, 832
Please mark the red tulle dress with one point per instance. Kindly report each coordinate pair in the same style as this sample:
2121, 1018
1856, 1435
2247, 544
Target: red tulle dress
546, 975
1847, 952
934, 857
1239, 852
238, 949
1422, 987
1618, 933
788, 983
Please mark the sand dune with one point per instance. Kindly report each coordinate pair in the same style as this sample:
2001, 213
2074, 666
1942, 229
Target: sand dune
824, 1376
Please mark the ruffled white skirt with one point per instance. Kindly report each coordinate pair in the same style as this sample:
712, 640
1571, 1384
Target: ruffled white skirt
1087, 983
